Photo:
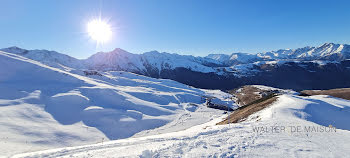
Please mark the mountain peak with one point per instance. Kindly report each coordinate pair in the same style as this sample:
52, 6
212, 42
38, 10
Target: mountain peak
327, 44
114, 52
15, 50
15, 47
119, 50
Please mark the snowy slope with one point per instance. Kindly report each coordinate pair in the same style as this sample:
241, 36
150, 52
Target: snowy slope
261, 135
251, 69
42, 107
51, 58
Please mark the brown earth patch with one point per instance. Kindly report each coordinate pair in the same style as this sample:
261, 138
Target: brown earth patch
246, 95
343, 93
243, 112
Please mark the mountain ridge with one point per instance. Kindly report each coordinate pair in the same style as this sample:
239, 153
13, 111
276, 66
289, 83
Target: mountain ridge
321, 52
218, 71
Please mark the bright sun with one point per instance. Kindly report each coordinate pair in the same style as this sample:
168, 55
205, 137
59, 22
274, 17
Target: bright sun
99, 30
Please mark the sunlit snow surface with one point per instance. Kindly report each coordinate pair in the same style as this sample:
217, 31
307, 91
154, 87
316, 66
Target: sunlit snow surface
43, 107
240, 140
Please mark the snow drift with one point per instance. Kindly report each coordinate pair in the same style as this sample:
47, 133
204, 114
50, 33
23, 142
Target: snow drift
261, 135
44, 107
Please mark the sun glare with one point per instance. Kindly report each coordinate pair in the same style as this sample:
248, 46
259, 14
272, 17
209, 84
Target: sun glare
99, 30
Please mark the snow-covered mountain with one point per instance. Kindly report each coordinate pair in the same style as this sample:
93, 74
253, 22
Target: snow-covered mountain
234, 58
119, 59
147, 63
217, 71
50, 58
327, 51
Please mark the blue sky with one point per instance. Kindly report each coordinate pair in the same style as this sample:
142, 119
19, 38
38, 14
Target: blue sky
196, 27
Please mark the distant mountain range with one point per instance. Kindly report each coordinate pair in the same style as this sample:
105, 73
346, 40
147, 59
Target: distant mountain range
327, 51
325, 66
